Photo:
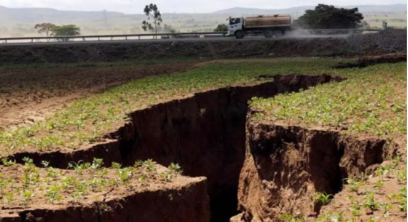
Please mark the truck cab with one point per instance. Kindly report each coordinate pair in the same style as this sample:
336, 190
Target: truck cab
234, 25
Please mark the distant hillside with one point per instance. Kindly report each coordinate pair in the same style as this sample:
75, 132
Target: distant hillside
397, 8
47, 14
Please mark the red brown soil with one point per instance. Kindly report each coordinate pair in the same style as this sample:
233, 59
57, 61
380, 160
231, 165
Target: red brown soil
30, 93
175, 200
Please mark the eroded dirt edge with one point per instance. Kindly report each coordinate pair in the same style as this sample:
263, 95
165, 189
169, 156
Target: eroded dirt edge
287, 165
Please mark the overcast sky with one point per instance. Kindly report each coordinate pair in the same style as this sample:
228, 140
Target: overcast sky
169, 6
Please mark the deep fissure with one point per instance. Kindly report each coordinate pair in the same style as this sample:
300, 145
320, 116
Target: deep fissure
206, 135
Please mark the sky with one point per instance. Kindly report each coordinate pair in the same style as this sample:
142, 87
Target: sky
179, 6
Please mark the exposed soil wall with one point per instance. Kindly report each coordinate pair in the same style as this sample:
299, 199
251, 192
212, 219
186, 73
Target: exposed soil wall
286, 165
205, 134
188, 203
388, 41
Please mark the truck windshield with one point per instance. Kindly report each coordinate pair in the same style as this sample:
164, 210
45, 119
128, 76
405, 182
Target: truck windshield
235, 21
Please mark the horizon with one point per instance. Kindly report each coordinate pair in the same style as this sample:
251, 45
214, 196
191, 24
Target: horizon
81, 9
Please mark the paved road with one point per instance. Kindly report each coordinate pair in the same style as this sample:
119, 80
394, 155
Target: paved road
133, 41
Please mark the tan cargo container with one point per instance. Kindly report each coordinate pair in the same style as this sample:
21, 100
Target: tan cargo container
267, 21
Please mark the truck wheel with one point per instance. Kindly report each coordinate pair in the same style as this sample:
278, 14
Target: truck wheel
277, 33
239, 34
268, 34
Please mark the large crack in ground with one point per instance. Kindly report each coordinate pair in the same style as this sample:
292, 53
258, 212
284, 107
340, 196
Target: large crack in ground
205, 134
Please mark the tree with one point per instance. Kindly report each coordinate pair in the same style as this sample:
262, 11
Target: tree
221, 28
44, 28
152, 12
66, 30
330, 17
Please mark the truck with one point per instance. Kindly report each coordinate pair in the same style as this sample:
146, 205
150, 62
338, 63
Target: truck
269, 26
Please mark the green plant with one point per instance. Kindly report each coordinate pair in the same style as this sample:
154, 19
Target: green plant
166, 175
372, 219
402, 196
96, 163
54, 194
116, 165
354, 185
322, 198
149, 164
379, 185
290, 218
369, 202
79, 167
7, 162
124, 175
45, 163
355, 209
402, 176
9, 198
339, 217
175, 167
27, 195
138, 164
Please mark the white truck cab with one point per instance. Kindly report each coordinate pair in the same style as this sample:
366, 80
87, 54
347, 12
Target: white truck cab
234, 25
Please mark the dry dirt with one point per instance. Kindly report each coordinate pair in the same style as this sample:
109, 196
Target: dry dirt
28, 94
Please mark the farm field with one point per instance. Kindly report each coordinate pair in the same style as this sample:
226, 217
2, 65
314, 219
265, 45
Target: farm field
102, 113
30, 92
123, 122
